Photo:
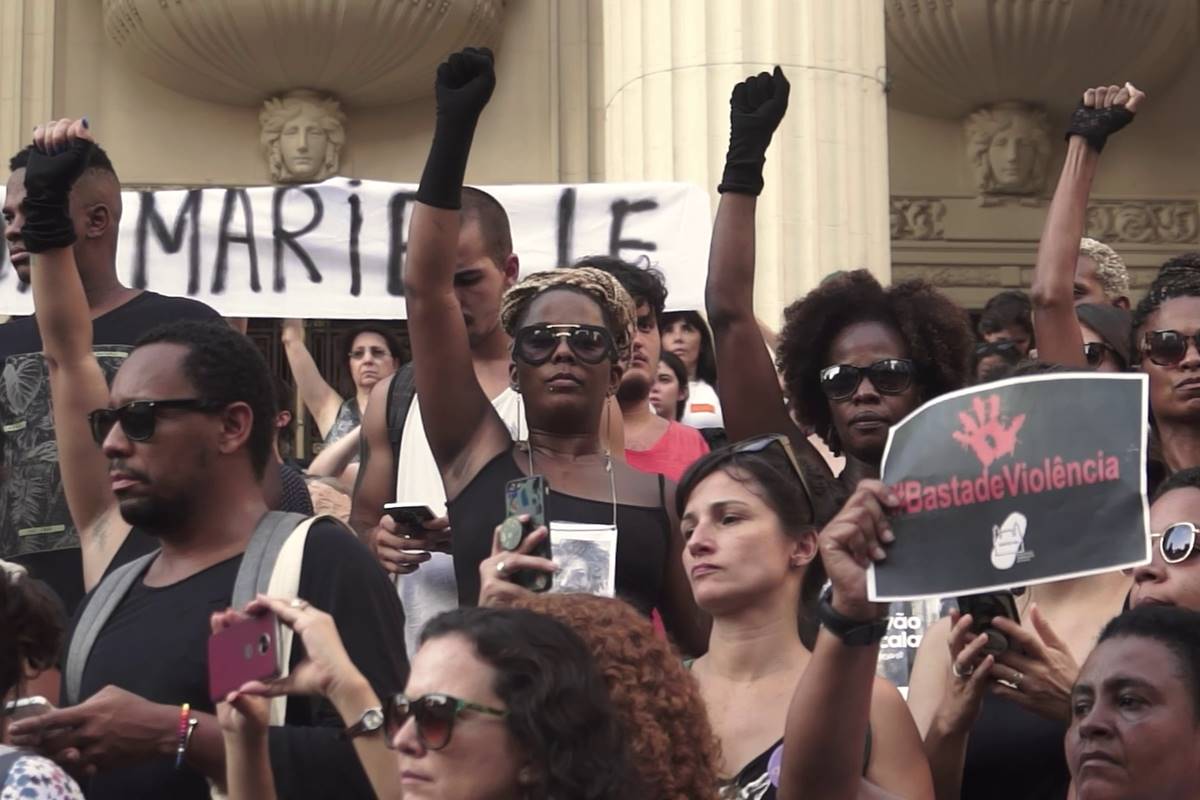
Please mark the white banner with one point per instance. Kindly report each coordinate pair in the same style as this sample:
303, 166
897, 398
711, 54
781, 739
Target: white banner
336, 249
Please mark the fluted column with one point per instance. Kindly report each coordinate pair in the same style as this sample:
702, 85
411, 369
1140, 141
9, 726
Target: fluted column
26, 69
669, 68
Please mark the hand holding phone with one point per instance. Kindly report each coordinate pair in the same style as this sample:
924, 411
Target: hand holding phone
984, 608
26, 707
247, 650
527, 503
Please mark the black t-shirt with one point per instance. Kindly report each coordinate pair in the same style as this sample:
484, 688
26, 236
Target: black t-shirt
35, 526
155, 645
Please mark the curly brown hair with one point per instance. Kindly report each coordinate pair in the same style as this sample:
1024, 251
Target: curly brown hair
671, 742
936, 329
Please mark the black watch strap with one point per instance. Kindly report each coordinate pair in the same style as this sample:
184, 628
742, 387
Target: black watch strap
851, 631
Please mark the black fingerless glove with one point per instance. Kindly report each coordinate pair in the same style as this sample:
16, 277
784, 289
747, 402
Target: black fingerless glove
1097, 124
464, 84
47, 204
755, 109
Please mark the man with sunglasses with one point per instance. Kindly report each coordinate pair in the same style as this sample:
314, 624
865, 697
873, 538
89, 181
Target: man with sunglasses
41, 535
177, 451
652, 444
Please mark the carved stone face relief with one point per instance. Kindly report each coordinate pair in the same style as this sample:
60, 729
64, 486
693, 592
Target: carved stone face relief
302, 136
1008, 146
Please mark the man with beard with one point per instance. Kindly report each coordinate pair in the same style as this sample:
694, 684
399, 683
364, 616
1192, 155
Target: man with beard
35, 529
177, 451
652, 444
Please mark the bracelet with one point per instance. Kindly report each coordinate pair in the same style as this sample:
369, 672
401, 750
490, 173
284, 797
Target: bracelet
852, 632
187, 724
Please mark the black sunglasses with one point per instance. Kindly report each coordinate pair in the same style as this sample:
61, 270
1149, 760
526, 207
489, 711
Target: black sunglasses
1004, 347
591, 344
1177, 543
1167, 348
435, 715
761, 443
1094, 352
888, 376
139, 418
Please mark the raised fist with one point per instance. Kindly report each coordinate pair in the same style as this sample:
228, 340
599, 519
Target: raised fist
1103, 111
464, 84
61, 152
756, 107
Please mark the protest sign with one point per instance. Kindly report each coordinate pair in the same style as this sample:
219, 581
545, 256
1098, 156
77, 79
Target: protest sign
336, 249
1017, 482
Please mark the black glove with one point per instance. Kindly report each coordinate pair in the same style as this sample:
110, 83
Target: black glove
1097, 124
464, 84
755, 109
47, 205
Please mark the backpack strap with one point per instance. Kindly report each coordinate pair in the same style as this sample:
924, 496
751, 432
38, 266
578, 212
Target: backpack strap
254, 574
104, 601
8, 758
399, 401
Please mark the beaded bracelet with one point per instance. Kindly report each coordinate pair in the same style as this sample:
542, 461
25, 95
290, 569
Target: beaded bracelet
187, 724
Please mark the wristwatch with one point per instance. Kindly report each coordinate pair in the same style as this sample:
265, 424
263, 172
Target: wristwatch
851, 631
370, 721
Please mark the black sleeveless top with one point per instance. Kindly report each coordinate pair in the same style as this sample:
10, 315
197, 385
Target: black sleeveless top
1014, 753
643, 533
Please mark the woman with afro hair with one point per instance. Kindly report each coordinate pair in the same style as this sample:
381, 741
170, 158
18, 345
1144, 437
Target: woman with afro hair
855, 357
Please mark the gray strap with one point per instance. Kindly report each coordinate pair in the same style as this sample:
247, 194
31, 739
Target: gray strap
104, 601
254, 574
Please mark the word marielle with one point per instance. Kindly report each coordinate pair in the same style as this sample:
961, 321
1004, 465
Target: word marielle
1013, 480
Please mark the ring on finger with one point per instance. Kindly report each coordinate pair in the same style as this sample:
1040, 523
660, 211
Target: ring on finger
960, 673
298, 604
500, 568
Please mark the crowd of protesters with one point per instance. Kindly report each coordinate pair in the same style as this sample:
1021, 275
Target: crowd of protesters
728, 478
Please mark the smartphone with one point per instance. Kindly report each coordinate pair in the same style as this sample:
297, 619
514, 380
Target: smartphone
983, 608
529, 496
245, 651
26, 707
409, 518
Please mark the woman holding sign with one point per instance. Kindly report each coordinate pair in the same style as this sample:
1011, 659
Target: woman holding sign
982, 713
751, 556
856, 358
571, 332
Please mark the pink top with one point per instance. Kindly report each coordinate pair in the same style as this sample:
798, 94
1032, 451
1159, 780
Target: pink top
672, 454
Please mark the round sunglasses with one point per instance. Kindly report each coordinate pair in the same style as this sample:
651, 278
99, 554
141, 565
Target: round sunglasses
591, 344
435, 715
1093, 353
888, 376
1177, 543
139, 418
1167, 348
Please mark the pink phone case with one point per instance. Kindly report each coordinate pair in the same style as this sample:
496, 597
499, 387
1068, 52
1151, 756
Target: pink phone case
247, 651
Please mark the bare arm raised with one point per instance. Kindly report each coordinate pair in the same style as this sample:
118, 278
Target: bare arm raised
462, 427
1103, 111
752, 402
77, 384
321, 399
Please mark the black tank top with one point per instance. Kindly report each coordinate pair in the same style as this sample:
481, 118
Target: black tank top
1014, 753
642, 533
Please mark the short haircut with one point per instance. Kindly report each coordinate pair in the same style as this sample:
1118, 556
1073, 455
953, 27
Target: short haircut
1110, 267
677, 366
98, 160
644, 283
706, 365
1178, 277
494, 227
1177, 629
1006, 310
936, 330
394, 345
226, 367
1188, 478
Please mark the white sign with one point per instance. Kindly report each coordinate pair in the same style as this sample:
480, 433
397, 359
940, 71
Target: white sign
336, 249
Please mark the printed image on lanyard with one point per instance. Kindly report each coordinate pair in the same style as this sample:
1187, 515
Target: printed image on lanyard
586, 556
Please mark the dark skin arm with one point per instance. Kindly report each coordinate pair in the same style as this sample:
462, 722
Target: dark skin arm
375, 484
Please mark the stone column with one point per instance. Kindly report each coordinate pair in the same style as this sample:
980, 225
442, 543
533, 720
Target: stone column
669, 69
26, 70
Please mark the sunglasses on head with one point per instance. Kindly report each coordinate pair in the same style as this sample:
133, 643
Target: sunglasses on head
1094, 352
591, 344
1177, 543
1167, 348
761, 443
888, 376
435, 715
139, 418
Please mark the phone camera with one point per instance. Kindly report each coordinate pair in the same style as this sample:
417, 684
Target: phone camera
264, 644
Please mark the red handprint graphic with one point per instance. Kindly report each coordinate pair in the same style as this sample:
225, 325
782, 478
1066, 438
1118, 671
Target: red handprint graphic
987, 434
